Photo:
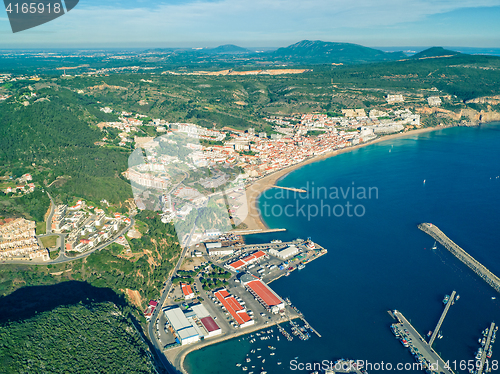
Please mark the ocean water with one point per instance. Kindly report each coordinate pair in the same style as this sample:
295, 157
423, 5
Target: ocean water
379, 260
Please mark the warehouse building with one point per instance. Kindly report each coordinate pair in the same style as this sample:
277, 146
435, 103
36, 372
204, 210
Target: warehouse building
210, 327
216, 249
255, 257
237, 311
186, 333
285, 253
263, 293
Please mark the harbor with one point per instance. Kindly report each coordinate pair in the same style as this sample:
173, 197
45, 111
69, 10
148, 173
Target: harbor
424, 275
423, 353
245, 307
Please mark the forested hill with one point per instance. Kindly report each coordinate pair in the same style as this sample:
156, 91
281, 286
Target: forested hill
81, 338
320, 52
54, 134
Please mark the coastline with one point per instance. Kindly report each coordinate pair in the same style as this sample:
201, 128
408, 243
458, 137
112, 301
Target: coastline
258, 187
179, 360
254, 219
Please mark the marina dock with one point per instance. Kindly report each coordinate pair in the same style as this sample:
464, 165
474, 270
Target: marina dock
463, 256
291, 189
422, 352
310, 327
486, 346
443, 315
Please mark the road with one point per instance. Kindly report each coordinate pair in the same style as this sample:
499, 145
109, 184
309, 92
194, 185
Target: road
48, 227
161, 301
62, 256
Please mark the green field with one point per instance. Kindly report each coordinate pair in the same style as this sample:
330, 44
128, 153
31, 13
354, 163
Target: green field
49, 241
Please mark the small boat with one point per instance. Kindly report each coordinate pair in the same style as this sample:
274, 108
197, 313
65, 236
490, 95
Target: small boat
445, 300
434, 246
493, 298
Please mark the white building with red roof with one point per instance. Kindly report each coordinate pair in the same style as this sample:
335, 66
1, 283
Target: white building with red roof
187, 291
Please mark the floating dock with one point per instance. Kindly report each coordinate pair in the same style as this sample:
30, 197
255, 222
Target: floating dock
443, 315
463, 256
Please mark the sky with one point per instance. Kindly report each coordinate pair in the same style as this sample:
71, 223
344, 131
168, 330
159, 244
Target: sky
263, 23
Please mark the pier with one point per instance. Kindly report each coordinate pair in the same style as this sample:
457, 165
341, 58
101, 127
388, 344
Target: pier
463, 256
310, 327
486, 346
443, 315
255, 231
291, 189
422, 352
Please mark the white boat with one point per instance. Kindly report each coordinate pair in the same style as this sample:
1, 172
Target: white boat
434, 246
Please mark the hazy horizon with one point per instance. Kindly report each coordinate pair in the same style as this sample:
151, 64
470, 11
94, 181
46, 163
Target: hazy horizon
209, 23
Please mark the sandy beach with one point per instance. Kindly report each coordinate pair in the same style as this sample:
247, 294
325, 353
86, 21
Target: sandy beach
254, 220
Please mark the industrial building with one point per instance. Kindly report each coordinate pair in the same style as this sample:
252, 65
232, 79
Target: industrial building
285, 253
209, 324
237, 265
237, 311
216, 249
263, 293
186, 333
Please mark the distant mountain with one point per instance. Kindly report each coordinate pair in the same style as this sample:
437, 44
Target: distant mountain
435, 52
226, 49
317, 51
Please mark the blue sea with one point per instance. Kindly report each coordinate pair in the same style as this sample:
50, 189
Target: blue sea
379, 260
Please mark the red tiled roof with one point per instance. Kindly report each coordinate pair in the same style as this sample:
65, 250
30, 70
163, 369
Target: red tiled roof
210, 324
233, 307
264, 292
237, 264
186, 289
